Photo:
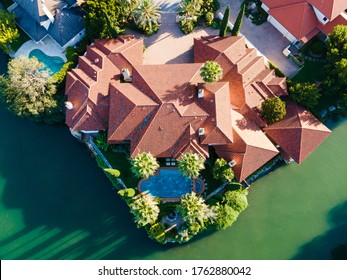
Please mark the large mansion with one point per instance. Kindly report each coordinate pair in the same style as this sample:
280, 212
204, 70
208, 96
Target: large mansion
168, 110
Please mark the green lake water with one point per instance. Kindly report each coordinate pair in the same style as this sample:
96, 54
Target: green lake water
56, 204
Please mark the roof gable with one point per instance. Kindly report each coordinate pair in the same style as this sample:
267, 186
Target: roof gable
330, 8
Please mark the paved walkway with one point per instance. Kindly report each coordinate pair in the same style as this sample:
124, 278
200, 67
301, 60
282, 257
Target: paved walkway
46, 45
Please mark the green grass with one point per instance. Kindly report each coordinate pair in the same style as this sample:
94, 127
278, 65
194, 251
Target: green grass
121, 162
311, 72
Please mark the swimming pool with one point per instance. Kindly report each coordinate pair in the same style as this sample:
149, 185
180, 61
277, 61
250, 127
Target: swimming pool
170, 184
53, 63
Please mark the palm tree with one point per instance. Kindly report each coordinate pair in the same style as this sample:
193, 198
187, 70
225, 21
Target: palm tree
196, 212
188, 11
211, 72
144, 165
145, 209
191, 164
146, 16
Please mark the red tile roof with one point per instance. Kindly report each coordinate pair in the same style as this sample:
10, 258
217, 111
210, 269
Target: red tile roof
299, 133
160, 111
339, 20
330, 8
251, 148
299, 18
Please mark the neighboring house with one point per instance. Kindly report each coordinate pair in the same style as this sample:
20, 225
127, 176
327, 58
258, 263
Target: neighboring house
301, 20
168, 110
61, 20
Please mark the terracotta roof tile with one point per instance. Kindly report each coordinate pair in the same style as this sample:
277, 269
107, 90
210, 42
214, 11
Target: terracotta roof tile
299, 133
330, 8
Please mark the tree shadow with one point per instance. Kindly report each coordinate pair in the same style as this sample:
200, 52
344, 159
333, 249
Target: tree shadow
331, 244
68, 209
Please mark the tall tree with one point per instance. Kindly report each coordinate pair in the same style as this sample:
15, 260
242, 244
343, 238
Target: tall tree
146, 15
190, 165
8, 30
224, 23
145, 210
28, 89
238, 22
222, 171
273, 109
195, 212
337, 44
97, 24
211, 72
189, 12
306, 94
144, 165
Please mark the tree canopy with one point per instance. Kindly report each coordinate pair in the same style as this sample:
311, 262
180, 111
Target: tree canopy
195, 212
104, 18
145, 210
191, 164
28, 89
273, 109
222, 171
146, 15
211, 72
334, 87
144, 165
306, 94
8, 30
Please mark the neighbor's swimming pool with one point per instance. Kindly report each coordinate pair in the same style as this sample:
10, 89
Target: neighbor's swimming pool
53, 63
170, 184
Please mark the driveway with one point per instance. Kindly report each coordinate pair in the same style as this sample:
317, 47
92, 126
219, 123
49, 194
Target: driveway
265, 38
170, 45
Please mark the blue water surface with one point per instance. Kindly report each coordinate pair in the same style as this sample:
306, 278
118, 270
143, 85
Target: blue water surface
169, 183
53, 63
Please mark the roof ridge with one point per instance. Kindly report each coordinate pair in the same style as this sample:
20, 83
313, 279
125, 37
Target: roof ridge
110, 136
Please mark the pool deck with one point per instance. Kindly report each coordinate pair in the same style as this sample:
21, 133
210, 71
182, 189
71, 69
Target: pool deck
172, 199
46, 45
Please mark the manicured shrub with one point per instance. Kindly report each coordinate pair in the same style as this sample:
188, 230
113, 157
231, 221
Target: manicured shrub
127, 193
238, 22
226, 217
112, 175
278, 72
236, 199
209, 16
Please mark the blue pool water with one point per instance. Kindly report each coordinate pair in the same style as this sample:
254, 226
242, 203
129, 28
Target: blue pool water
169, 183
53, 63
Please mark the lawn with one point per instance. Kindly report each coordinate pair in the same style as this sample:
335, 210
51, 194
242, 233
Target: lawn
120, 161
311, 72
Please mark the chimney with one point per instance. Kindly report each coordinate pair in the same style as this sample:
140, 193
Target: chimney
201, 131
201, 93
126, 75
232, 163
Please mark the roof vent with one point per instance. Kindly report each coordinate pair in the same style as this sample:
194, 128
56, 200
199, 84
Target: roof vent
68, 105
201, 93
232, 163
96, 60
201, 131
126, 75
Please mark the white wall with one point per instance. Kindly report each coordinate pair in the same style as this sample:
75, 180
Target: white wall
265, 8
281, 29
320, 16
